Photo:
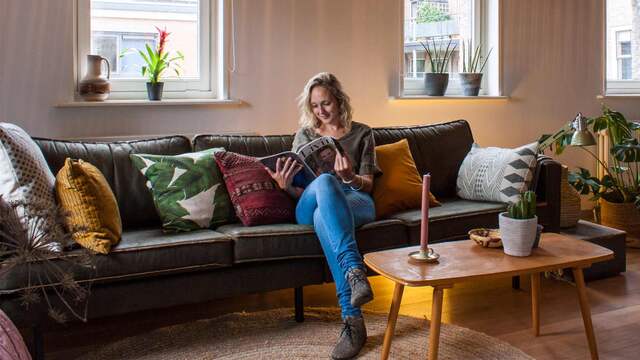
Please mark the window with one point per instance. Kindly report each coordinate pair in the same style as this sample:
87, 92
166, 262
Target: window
441, 22
622, 76
116, 29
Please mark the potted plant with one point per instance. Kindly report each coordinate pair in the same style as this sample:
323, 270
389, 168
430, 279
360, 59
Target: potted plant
617, 192
519, 225
473, 64
436, 81
157, 61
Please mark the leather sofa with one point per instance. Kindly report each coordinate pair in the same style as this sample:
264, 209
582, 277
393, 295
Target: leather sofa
149, 269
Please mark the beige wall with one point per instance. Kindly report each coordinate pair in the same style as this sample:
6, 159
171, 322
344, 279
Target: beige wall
552, 69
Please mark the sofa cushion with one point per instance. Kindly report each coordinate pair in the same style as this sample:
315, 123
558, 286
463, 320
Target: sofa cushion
93, 215
256, 197
143, 253
250, 145
187, 189
438, 149
452, 220
112, 159
26, 180
399, 187
288, 241
496, 174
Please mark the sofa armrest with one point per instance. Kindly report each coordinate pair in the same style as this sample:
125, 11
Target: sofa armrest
546, 184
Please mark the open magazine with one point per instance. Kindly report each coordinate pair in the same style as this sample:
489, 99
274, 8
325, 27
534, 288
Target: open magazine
316, 157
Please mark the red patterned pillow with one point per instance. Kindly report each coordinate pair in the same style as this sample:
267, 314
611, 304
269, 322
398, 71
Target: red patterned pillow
255, 196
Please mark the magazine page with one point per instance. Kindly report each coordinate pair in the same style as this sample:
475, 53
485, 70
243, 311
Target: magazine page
320, 154
270, 162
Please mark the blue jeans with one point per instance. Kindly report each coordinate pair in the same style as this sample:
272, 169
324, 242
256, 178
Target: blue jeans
335, 210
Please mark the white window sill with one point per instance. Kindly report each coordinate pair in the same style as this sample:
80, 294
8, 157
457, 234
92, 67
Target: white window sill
448, 97
618, 96
164, 102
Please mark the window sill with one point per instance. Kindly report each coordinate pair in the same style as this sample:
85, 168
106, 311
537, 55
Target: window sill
164, 102
448, 97
618, 96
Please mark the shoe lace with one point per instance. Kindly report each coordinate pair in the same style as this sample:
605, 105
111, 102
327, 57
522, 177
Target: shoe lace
348, 330
356, 277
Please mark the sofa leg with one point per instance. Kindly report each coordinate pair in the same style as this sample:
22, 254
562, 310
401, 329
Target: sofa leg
298, 303
515, 282
36, 343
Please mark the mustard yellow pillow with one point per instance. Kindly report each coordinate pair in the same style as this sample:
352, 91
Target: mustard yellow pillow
400, 186
92, 210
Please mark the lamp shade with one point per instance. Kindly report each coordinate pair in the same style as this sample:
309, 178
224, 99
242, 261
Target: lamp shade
582, 136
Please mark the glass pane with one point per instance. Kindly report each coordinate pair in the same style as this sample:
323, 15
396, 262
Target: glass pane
625, 48
625, 69
435, 23
106, 46
132, 23
621, 39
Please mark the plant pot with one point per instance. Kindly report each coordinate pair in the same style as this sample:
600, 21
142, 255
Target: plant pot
518, 235
623, 216
154, 90
470, 83
436, 84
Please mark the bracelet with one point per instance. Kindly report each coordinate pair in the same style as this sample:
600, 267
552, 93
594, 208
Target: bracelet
361, 184
350, 181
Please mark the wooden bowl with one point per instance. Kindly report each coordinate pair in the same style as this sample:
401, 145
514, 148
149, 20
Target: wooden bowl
486, 237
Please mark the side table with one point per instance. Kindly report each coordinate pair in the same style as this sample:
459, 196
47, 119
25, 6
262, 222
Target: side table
610, 238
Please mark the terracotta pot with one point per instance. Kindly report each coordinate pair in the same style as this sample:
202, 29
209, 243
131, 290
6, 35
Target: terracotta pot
93, 86
623, 216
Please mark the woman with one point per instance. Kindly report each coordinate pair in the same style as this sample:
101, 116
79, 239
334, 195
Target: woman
336, 205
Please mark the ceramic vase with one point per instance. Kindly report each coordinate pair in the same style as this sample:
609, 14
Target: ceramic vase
93, 86
470, 83
518, 235
436, 84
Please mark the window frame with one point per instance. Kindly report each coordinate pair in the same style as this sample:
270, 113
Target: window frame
614, 87
211, 62
479, 27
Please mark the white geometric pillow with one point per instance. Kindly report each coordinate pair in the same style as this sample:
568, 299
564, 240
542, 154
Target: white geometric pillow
26, 178
496, 174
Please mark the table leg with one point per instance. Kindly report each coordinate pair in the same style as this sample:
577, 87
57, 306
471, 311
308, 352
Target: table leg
391, 322
578, 276
436, 319
535, 303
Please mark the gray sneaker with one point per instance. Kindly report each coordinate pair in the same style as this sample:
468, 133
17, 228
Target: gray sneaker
361, 292
352, 338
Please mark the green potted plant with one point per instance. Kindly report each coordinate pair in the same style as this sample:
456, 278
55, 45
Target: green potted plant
519, 225
473, 64
437, 80
157, 61
617, 192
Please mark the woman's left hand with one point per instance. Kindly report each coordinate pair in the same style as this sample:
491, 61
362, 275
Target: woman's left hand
343, 167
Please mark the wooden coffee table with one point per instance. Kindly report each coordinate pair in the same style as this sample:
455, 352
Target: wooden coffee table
466, 261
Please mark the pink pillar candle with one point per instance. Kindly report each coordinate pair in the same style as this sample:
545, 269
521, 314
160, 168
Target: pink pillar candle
424, 228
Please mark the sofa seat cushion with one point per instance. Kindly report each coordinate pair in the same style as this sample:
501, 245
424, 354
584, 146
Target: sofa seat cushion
143, 253
291, 241
453, 219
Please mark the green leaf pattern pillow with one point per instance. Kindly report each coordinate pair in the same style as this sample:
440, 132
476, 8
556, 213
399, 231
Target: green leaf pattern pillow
188, 189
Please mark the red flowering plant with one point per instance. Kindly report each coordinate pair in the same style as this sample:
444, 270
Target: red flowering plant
159, 60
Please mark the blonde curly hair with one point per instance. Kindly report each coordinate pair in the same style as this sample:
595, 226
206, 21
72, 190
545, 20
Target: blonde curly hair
331, 83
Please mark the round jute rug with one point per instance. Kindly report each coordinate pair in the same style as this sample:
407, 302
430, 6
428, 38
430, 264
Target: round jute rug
274, 334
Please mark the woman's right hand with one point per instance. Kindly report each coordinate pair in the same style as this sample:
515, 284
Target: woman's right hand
285, 171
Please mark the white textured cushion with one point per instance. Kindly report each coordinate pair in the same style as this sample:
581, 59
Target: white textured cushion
496, 174
25, 177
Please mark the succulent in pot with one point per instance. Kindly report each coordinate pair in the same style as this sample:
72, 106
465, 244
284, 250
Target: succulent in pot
519, 225
436, 81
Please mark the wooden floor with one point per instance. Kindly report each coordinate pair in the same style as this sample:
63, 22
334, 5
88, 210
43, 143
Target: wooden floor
492, 307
